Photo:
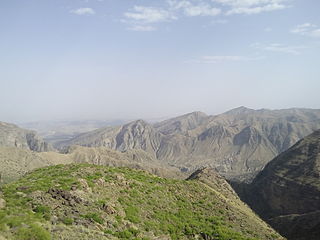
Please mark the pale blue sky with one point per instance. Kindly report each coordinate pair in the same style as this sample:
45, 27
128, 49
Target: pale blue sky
102, 59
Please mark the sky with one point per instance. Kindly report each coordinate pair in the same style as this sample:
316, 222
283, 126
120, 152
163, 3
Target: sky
113, 59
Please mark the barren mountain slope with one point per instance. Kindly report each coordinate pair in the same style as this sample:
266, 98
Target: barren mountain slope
13, 136
287, 191
238, 143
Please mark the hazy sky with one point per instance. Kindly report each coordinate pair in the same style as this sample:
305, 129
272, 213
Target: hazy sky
102, 59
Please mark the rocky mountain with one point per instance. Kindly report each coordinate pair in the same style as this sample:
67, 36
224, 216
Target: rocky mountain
182, 124
81, 201
287, 192
13, 136
238, 143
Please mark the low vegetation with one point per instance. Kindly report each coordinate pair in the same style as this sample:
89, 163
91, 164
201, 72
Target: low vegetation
95, 202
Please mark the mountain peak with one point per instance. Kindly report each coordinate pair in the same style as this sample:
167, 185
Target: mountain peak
239, 110
197, 114
138, 122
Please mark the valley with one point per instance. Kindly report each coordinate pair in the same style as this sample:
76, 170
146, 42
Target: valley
167, 180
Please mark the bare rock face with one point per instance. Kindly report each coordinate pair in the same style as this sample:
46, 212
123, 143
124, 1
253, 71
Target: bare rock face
36, 144
238, 143
287, 192
13, 136
138, 135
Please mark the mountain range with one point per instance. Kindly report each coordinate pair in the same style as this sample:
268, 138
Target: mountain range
270, 157
55, 131
238, 143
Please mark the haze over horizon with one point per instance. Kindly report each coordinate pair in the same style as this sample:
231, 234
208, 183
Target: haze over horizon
108, 59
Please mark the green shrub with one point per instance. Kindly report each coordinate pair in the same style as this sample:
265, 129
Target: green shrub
14, 221
108, 231
45, 211
126, 234
95, 217
132, 214
67, 221
33, 232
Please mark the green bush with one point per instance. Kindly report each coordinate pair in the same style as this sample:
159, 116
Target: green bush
108, 231
132, 214
33, 232
126, 234
45, 211
95, 217
67, 221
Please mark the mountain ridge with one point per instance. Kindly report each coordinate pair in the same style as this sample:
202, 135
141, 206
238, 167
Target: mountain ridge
237, 143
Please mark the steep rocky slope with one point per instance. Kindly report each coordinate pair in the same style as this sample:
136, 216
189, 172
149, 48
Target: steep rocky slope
238, 143
287, 192
13, 136
94, 202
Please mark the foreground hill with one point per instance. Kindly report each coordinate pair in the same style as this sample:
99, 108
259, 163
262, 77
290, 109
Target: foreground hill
95, 202
287, 192
13, 136
238, 143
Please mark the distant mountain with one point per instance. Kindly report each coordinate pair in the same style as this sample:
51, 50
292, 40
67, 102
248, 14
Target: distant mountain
238, 143
13, 136
182, 124
82, 201
54, 131
287, 192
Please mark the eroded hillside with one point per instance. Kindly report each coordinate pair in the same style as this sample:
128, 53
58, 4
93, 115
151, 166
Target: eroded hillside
287, 192
238, 143
13, 136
